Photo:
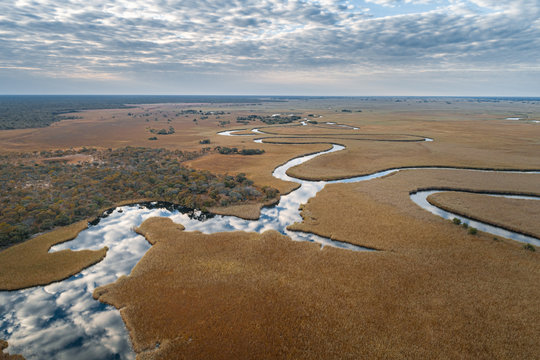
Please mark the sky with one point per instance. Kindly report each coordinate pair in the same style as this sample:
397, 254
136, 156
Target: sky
271, 47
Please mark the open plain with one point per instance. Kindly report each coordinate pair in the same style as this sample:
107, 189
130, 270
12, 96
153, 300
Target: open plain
431, 290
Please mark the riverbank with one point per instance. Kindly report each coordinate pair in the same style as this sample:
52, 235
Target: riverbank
499, 211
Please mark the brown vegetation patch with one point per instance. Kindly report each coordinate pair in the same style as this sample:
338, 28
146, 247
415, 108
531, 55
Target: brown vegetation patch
5, 356
257, 168
245, 295
342, 211
514, 214
30, 264
112, 128
477, 144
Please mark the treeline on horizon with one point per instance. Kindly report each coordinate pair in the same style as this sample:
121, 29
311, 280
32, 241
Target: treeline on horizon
37, 194
34, 111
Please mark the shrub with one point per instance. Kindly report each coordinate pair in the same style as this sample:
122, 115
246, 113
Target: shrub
529, 247
163, 131
240, 177
456, 221
226, 150
152, 138
465, 225
472, 231
251, 151
204, 141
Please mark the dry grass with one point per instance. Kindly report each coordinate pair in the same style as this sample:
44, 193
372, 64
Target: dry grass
513, 214
245, 295
29, 264
107, 129
486, 144
340, 210
5, 356
432, 292
258, 168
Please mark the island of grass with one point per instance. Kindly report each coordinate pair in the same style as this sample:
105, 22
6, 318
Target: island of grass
30, 264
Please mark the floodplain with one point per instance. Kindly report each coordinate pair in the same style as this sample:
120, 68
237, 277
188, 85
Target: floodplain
430, 290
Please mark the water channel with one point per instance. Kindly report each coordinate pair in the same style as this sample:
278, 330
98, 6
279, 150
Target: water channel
63, 321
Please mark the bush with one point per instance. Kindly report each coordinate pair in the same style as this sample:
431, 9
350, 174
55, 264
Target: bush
240, 177
529, 247
152, 138
472, 231
251, 151
465, 225
204, 141
456, 221
163, 131
226, 150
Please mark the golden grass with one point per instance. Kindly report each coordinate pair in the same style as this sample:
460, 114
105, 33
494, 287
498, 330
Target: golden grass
513, 214
5, 356
485, 144
262, 296
391, 194
29, 264
258, 168
111, 128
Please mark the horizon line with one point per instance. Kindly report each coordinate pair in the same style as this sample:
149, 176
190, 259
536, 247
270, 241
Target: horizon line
287, 96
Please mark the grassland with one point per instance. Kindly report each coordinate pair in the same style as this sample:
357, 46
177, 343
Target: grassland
390, 229
30, 264
480, 144
431, 291
245, 295
19, 112
514, 214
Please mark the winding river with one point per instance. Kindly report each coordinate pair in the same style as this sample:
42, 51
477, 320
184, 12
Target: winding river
63, 321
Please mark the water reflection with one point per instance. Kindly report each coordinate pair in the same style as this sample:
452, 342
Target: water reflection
62, 320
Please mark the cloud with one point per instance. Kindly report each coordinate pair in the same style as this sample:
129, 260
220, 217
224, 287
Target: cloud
122, 39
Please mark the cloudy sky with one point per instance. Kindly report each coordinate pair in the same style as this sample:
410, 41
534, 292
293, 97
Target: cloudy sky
280, 47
